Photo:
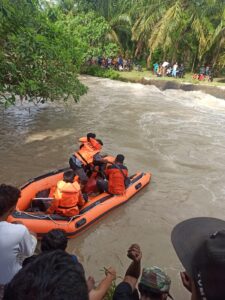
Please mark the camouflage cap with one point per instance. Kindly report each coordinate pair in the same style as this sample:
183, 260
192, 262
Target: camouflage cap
155, 279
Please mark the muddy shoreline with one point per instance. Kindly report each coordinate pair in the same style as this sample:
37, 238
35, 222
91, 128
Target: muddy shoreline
218, 92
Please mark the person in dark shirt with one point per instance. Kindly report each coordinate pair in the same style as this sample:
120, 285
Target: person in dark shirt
154, 283
52, 275
55, 239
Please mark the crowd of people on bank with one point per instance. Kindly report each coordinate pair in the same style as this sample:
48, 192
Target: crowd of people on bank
118, 63
205, 73
52, 273
163, 69
169, 69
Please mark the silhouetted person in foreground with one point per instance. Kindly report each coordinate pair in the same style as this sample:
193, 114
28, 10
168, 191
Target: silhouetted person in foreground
200, 246
52, 275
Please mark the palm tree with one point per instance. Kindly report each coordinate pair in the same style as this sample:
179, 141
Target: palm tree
116, 13
167, 23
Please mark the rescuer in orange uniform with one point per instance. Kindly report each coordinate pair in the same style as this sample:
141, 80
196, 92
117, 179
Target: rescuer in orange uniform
86, 156
117, 175
67, 197
85, 139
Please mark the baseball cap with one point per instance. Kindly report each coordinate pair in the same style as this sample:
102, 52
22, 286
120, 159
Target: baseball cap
156, 280
200, 246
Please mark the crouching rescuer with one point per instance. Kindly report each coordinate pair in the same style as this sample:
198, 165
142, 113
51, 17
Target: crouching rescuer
67, 197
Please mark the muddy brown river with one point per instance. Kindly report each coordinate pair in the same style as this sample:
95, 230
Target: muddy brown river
178, 136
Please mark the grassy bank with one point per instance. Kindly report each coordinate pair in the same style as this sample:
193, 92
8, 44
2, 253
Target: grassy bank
135, 76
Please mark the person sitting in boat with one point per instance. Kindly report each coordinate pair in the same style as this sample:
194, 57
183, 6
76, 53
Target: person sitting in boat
117, 175
87, 155
67, 196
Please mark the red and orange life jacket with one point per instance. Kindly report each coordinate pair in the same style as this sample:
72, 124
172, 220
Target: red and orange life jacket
116, 179
83, 140
67, 199
88, 151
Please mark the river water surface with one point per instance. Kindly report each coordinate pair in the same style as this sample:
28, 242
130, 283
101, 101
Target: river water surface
178, 136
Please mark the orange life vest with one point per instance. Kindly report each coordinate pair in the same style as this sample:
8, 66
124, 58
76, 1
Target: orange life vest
116, 183
83, 140
88, 151
67, 196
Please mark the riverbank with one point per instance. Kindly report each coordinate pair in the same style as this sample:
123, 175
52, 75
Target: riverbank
215, 88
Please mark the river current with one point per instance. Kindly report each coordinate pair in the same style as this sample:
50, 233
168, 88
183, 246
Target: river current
178, 136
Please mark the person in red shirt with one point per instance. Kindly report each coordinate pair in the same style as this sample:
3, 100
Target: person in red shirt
116, 174
67, 197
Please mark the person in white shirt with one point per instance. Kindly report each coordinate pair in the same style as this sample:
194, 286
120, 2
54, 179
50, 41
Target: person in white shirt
165, 64
15, 240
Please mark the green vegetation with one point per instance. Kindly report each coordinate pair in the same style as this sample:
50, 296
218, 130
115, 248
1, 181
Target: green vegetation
44, 44
42, 48
99, 72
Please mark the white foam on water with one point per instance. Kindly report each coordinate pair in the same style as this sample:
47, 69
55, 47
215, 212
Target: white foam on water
49, 134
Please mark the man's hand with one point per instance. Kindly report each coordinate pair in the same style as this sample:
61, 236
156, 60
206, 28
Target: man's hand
110, 272
134, 252
90, 283
134, 270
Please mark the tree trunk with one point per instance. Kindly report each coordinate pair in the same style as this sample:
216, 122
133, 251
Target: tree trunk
215, 57
149, 58
193, 65
138, 49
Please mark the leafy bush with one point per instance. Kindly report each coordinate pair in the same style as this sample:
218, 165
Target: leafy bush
42, 50
100, 72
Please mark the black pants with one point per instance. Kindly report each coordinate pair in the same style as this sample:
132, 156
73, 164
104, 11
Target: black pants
102, 185
79, 171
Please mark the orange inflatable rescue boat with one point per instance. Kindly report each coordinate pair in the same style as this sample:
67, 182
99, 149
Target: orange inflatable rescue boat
96, 208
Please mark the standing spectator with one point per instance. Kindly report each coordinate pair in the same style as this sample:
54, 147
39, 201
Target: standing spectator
52, 275
160, 71
129, 64
165, 64
169, 71
202, 70
55, 239
99, 61
207, 70
155, 68
109, 62
181, 71
120, 62
174, 71
154, 283
15, 239
200, 246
